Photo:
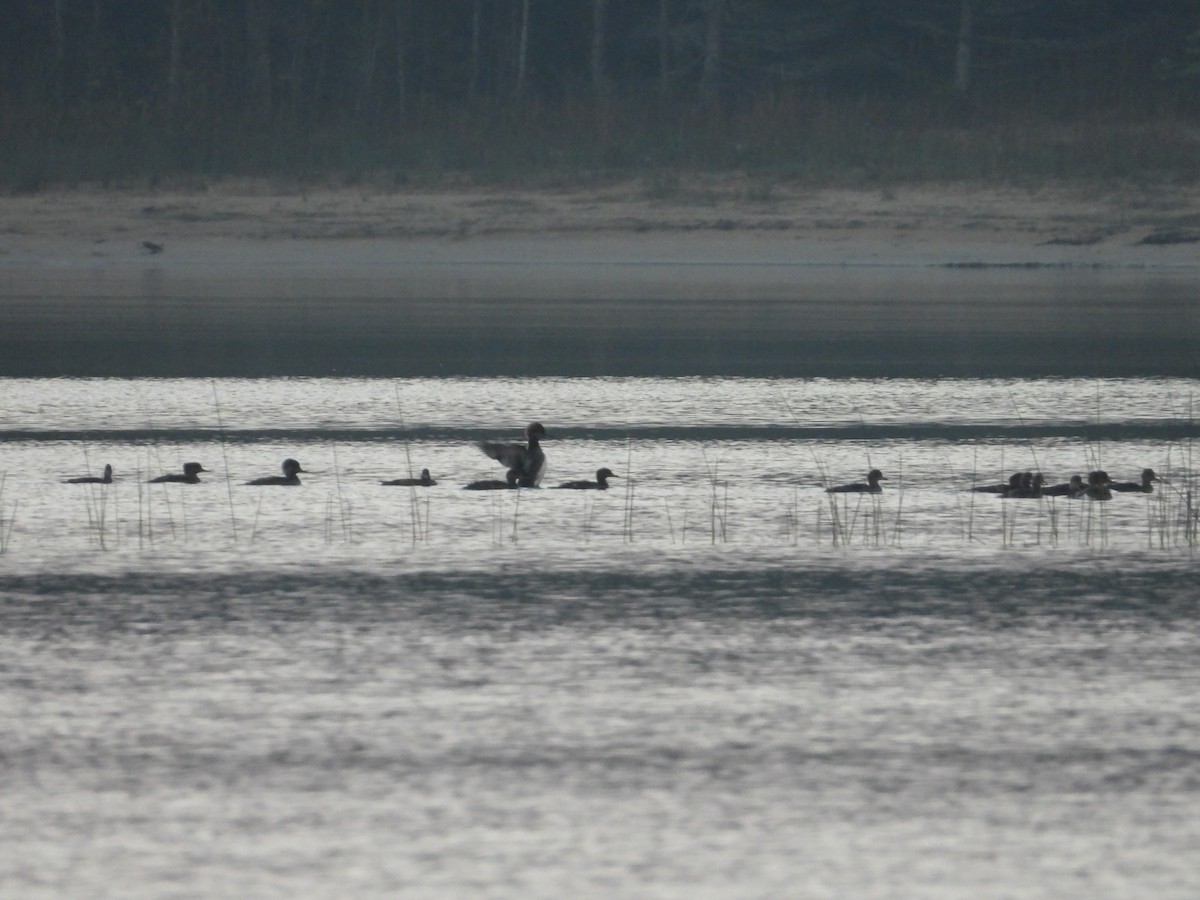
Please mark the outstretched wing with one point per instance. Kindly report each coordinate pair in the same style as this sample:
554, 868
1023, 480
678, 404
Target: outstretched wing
514, 456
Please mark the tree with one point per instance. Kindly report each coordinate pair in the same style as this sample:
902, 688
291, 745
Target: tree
174, 63
522, 49
59, 37
599, 14
258, 48
962, 54
372, 38
664, 49
714, 22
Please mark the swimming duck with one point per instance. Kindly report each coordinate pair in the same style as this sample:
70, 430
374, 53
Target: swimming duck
528, 461
1032, 490
1097, 487
600, 484
492, 484
190, 475
870, 487
1141, 487
289, 477
1072, 488
1014, 481
426, 480
92, 479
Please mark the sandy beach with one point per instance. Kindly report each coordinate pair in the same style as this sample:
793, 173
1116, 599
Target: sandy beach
231, 224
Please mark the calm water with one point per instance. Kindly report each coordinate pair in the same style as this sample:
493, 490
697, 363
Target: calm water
693, 685
708, 681
587, 317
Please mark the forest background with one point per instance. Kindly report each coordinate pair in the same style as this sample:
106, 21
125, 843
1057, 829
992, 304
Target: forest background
536, 92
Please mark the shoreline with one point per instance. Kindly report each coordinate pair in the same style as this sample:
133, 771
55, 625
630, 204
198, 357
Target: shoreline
234, 226
922, 282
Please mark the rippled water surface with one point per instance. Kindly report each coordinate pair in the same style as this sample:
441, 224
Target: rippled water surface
708, 681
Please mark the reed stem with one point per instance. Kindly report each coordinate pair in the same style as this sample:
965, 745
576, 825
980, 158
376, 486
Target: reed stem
343, 504
6, 527
225, 462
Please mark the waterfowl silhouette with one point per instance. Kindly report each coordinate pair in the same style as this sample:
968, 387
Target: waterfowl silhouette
528, 461
92, 479
1014, 481
600, 484
870, 487
1072, 488
1029, 491
1145, 486
491, 484
190, 475
289, 477
424, 481
1097, 486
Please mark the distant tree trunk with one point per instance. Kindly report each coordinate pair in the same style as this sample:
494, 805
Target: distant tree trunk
298, 53
403, 17
319, 51
59, 37
95, 51
664, 48
174, 64
599, 15
476, 34
258, 41
372, 43
710, 76
962, 55
522, 48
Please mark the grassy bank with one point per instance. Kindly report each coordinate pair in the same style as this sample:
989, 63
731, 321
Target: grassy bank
532, 144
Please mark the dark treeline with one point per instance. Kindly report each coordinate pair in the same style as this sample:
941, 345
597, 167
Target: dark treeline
110, 88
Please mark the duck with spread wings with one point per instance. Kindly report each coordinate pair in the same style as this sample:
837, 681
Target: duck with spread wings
528, 461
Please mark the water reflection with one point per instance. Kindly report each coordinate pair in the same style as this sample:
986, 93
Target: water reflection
710, 676
707, 665
671, 319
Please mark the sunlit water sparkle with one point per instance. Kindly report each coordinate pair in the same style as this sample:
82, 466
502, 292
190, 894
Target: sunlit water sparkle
691, 685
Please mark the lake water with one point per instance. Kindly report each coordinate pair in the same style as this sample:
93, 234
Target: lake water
708, 681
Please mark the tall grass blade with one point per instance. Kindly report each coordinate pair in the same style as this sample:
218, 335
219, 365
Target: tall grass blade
225, 462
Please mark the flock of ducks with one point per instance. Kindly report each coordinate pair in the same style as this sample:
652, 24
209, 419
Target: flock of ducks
1098, 486
191, 475
526, 463
1031, 486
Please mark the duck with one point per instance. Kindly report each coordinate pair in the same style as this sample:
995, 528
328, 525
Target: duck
870, 487
93, 479
190, 475
527, 460
1097, 487
288, 478
492, 484
1029, 491
1144, 486
426, 480
1014, 481
600, 484
1072, 488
